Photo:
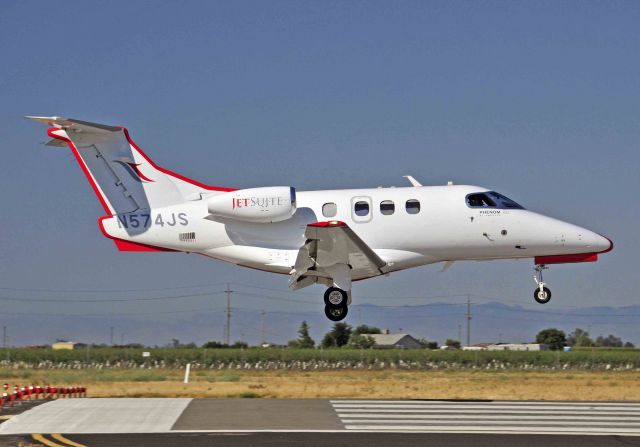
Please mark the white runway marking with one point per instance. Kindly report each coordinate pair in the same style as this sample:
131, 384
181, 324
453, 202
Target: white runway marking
597, 418
122, 415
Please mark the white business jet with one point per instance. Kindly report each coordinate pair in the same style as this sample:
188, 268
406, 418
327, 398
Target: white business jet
331, 237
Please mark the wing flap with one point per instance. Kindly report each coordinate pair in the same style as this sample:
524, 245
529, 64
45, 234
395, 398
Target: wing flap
329, 244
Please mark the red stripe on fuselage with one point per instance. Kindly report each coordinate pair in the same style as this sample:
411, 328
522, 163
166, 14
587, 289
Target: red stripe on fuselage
566, 259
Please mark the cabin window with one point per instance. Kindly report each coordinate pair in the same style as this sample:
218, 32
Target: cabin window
361, 208
329, 209
387, 207
413, 206
491, 199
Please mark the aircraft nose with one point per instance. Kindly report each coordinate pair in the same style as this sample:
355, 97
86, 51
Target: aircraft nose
601, 244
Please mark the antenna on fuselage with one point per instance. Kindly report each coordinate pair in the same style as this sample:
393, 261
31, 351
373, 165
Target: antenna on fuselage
413, 181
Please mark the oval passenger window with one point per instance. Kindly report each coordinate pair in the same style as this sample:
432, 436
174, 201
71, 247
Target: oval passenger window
387, 207
361, 208
413, 206
329, 209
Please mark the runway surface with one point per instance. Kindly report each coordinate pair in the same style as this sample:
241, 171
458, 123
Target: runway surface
257, 422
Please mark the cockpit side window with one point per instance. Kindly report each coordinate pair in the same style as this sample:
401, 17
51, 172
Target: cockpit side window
504, 202
480, 200
491, 199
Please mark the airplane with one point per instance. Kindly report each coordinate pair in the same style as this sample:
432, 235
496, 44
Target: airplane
328, 237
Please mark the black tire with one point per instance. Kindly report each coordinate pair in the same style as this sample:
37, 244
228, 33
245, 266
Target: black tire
543, 296
335, 298
336, 314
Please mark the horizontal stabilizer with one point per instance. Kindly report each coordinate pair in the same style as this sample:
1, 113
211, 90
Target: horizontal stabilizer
73, 124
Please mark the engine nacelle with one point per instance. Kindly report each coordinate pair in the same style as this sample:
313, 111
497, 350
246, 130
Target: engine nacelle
261, 205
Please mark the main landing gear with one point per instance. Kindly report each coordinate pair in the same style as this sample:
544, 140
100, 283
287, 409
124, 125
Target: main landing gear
336, 304
541, 294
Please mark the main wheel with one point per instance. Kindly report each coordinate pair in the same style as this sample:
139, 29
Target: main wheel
542, 296
336, 314
335, 298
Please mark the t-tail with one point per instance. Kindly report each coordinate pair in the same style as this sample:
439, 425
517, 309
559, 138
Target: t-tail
122, 176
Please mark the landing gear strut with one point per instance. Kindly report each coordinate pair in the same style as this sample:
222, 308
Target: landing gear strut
541, 294
336, 304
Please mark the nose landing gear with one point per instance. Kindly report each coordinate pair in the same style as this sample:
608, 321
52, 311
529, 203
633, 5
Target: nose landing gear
541, 294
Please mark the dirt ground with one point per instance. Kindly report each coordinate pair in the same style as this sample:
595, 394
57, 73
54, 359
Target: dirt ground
375, 384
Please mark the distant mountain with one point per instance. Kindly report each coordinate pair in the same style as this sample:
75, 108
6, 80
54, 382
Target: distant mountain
491, 322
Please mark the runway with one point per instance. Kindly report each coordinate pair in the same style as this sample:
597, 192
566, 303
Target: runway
159, 421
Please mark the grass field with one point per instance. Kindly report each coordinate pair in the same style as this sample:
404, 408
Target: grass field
380, 358
588, 374
518, 385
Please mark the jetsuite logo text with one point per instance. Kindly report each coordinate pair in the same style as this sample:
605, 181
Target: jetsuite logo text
261, 202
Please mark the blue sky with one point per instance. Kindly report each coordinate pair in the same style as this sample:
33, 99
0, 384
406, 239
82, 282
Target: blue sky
538, 100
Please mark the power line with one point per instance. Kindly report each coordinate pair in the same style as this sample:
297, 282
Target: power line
105, 300
146, 289
228, 327
469, 316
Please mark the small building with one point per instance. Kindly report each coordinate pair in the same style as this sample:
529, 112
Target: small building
518, 347
477, 347
67, 345
507, 347
403, 341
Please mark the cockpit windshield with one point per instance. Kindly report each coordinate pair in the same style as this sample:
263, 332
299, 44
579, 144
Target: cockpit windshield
491, 199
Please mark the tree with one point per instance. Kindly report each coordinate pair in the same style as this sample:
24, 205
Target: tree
338, 336
629, 345
455, 344
361, 341
214, 345
610, 341
364, 329
428, 344
304, 340
579, 337
552, 337
240, 345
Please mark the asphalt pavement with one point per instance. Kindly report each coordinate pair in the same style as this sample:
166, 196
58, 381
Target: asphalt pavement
317, 422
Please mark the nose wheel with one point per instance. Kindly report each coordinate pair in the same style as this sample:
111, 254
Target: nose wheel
541, 294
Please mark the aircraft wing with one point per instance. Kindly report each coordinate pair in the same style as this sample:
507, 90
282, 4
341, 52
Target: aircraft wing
332, 244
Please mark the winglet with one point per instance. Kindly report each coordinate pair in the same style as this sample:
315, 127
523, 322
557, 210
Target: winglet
413, 181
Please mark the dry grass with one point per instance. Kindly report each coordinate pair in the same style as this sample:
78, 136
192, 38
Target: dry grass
350, 384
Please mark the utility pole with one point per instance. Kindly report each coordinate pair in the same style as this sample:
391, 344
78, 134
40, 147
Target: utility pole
4, 337
227, 334
111, 337
262, 314
460, 333
469, 320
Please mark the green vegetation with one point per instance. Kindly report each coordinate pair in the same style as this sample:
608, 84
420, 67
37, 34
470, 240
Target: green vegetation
304, 340
552, 337
338, 336
102, 360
